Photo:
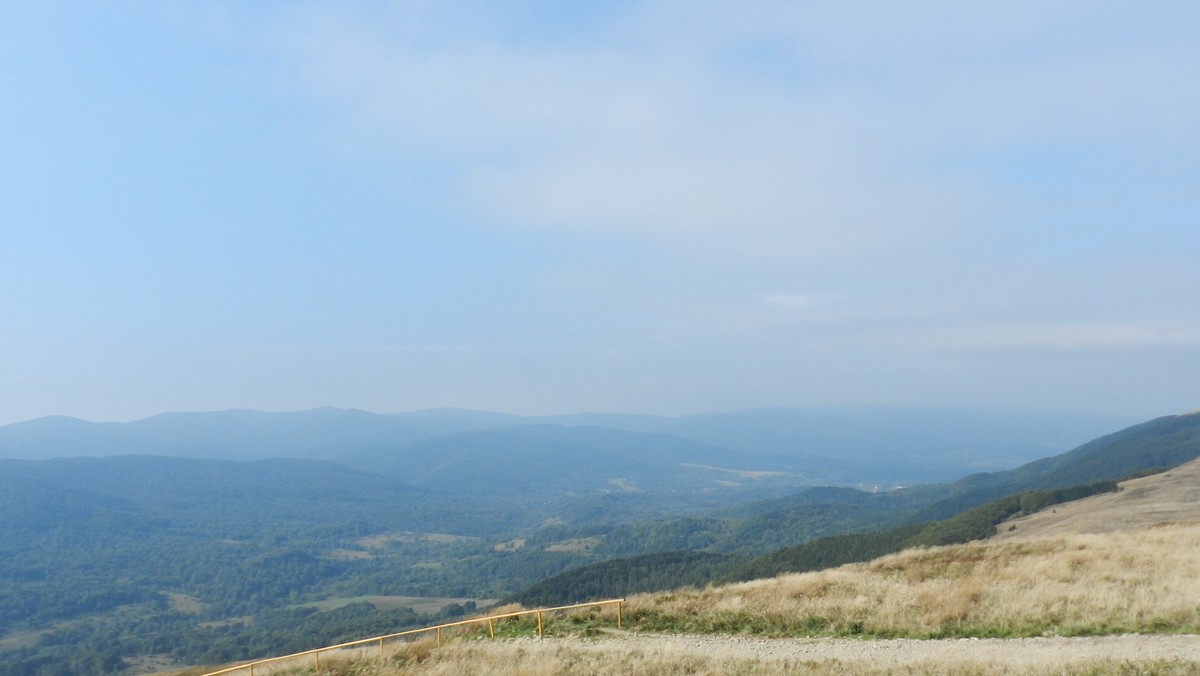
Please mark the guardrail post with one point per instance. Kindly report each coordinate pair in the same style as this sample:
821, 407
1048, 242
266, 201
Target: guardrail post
439, 637
539, 613
318, 656
491, 630
619, 604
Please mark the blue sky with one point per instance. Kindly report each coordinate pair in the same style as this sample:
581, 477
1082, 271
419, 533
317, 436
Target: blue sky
545, 207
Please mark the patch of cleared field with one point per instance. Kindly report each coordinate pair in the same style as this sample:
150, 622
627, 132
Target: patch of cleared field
741, 473
511, 545
419, 604
574, 545
183, 603
243, 621
350, 555
22, 638
149, 664
623, 485
384, 540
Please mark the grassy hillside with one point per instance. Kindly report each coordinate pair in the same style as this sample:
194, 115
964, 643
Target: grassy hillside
1130, 581
1140, 581
1169, 497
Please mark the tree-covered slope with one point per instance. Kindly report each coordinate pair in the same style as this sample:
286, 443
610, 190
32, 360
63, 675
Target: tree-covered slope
617, 577
670, 570
819, 528
1160, 443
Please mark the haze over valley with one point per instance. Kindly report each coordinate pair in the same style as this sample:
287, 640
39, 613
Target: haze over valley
324, 320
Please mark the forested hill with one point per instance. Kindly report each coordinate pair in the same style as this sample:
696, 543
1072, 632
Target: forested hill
761, 527
956, 512
1160, 443
1168, 441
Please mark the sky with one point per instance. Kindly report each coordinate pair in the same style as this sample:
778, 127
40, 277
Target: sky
550, 207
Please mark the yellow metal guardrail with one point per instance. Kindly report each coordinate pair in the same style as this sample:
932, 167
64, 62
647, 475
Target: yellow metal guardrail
378, 640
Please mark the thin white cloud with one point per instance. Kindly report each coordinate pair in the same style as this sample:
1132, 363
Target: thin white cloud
795, 301
1051, 338
873, 167
859, 136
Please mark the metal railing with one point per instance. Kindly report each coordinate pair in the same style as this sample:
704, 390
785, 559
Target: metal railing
379, 640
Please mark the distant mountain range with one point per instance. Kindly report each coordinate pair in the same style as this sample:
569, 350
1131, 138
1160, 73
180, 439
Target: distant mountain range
456, 448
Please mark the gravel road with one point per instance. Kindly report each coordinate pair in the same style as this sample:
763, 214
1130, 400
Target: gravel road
1130, 653
1033, 651
713, 655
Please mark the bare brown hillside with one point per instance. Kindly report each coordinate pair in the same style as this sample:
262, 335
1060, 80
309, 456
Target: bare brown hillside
1170, 497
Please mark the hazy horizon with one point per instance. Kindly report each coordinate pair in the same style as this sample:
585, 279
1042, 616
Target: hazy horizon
832, 409
635, 207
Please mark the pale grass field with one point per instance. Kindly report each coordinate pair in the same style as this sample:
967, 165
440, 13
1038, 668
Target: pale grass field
1104, 587
719, 656
1170, 497
1127, 581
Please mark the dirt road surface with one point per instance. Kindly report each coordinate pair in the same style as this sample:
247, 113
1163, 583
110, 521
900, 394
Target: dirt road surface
1130, 654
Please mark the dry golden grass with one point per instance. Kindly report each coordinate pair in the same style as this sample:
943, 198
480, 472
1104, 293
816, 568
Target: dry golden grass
717, 656
1131, 581
1170, 497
